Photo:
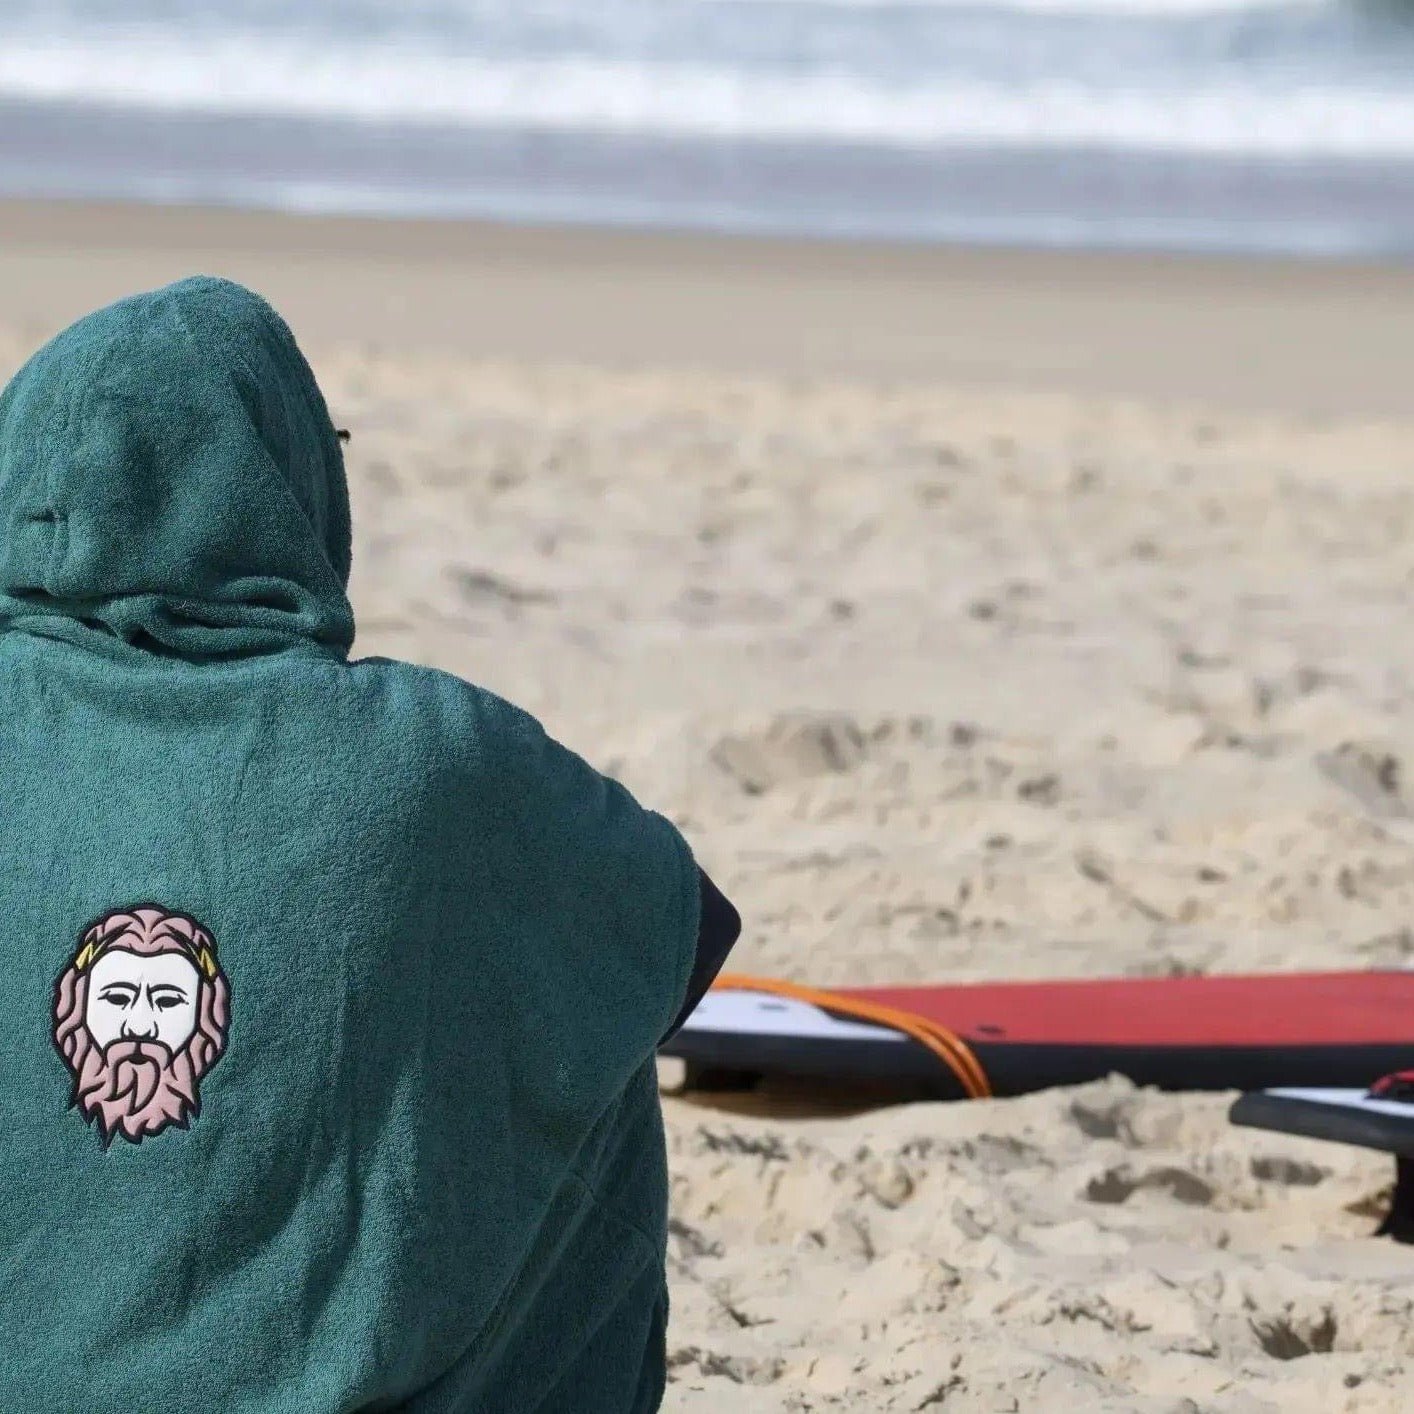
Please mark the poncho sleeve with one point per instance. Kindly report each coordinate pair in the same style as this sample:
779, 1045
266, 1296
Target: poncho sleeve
600, 898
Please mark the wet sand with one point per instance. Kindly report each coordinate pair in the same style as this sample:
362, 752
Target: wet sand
1321, 338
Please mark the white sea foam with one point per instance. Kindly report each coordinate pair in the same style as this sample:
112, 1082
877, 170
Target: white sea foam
409, 83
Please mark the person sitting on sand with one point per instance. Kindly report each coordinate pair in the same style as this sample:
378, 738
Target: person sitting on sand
331, 986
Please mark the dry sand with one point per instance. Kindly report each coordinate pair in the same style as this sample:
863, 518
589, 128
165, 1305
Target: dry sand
1088, 671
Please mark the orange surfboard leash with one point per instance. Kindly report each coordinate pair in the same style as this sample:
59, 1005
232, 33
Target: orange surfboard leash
949, 1047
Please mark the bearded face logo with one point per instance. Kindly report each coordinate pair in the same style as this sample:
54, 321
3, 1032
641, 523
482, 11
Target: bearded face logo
140, 1016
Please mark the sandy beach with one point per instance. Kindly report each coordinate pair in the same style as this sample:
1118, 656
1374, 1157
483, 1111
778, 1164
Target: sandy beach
977, 615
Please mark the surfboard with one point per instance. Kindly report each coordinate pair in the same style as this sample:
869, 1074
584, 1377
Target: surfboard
1381, 1117
1176, 1033
1342, 1115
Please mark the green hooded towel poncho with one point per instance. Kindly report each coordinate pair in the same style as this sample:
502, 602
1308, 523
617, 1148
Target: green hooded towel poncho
330, 988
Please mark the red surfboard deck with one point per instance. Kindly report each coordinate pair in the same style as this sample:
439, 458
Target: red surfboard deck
1295, 1009
1198, 1033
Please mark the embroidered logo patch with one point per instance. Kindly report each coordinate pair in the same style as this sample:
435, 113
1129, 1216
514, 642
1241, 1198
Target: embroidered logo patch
140, 1016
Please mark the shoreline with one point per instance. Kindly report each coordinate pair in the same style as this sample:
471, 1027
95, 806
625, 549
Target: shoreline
1086, 192
1324, 339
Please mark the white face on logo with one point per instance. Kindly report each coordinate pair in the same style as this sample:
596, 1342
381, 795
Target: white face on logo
135, 998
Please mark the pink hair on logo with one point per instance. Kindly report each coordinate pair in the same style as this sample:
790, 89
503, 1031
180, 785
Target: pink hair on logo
138, 1088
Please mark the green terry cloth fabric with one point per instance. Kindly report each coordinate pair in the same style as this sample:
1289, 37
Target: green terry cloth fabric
330, 987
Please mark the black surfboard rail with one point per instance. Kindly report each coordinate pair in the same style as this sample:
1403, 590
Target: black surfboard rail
1021, 1068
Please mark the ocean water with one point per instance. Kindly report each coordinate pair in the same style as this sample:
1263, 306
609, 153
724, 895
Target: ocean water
1237, 125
